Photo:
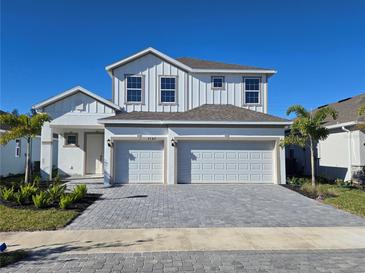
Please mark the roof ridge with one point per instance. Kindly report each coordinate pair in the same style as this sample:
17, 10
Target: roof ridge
345, 99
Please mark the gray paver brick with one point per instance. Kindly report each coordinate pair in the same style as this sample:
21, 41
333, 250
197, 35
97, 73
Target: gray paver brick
176, 206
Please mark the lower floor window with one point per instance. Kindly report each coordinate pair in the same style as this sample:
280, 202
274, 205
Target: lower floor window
252, 97
71, 139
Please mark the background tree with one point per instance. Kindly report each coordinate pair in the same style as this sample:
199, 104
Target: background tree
307, 129
22, 126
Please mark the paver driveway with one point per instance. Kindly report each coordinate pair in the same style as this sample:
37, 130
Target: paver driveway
154, 206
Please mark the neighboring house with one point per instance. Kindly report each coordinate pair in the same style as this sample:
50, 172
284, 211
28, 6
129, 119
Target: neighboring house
12, 155
170, 121
342, 154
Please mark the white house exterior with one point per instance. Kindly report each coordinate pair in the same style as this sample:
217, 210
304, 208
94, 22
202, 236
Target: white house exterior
170, 121
13, 154
342, 154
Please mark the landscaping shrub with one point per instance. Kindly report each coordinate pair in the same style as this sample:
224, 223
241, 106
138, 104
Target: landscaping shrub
56, 191
79, 192
322, 191
7, 194
296, 181
37, 181
24, 194
42, 199
57, 180
66, 201
309, 190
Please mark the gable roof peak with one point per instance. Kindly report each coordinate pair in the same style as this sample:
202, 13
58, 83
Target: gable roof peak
73, 91
191, 64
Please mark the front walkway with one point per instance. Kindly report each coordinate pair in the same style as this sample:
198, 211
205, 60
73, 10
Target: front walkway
179, 206
289, 249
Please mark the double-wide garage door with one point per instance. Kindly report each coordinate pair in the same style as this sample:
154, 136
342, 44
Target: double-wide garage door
197, 162
225, 162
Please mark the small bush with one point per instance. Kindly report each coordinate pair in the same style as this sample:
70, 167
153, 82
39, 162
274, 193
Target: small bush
309, 190
66, 201
25, 193
79, 192
57, 180
297, 181
37, 181
56, 191
7, 194
41, 200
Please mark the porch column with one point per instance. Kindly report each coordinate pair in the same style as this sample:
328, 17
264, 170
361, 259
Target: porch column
108, 158
171, 158
282, 173
46, 152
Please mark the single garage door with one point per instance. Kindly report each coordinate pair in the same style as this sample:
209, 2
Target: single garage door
138, 162
225, 162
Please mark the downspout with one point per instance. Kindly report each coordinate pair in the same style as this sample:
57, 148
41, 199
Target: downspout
350, 151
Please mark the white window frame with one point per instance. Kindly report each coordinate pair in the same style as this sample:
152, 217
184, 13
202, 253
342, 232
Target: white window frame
258, 91
223, 82
18, 145
126, 89
160, 90
66, 135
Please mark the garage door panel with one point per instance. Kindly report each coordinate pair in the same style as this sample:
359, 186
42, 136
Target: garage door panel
223, 161
138, 162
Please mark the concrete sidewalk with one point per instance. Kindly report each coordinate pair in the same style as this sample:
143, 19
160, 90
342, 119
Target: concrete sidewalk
187, 239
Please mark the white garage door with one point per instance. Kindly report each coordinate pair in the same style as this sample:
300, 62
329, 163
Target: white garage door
225, 162
138, 162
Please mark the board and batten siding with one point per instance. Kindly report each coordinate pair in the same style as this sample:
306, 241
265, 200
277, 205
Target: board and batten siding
77, 103
201, 92
151, 68
193, 90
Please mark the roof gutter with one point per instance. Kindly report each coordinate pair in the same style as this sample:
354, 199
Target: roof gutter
347, 124
185, 122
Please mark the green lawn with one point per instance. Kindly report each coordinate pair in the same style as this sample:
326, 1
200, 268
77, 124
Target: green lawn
11, 257
349, 199
19, 219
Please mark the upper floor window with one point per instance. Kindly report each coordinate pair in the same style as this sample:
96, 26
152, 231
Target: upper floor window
217, 82
252, 90
168, 89
17, 147
134, 89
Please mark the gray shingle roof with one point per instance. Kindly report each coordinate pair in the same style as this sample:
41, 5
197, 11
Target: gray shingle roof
205, 64
347, 110
212, 113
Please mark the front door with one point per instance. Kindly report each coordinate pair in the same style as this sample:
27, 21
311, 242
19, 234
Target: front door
94, 153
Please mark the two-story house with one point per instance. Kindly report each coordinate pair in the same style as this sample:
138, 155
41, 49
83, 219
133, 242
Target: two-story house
170, 121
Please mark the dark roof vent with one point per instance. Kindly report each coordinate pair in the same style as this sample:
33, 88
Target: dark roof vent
323, 106
343, 100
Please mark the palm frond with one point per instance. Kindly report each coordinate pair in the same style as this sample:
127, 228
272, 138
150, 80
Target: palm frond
321, 114
299, 110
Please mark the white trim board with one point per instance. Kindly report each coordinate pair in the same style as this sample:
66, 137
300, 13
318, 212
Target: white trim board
179, 64
73, 91
183, 122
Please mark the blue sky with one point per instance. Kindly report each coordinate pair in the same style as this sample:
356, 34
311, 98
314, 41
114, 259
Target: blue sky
318, 47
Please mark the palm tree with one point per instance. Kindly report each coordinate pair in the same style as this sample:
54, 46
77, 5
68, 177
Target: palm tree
22, 126
308, 129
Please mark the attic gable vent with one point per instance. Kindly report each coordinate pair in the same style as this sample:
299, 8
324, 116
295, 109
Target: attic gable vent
343, 100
